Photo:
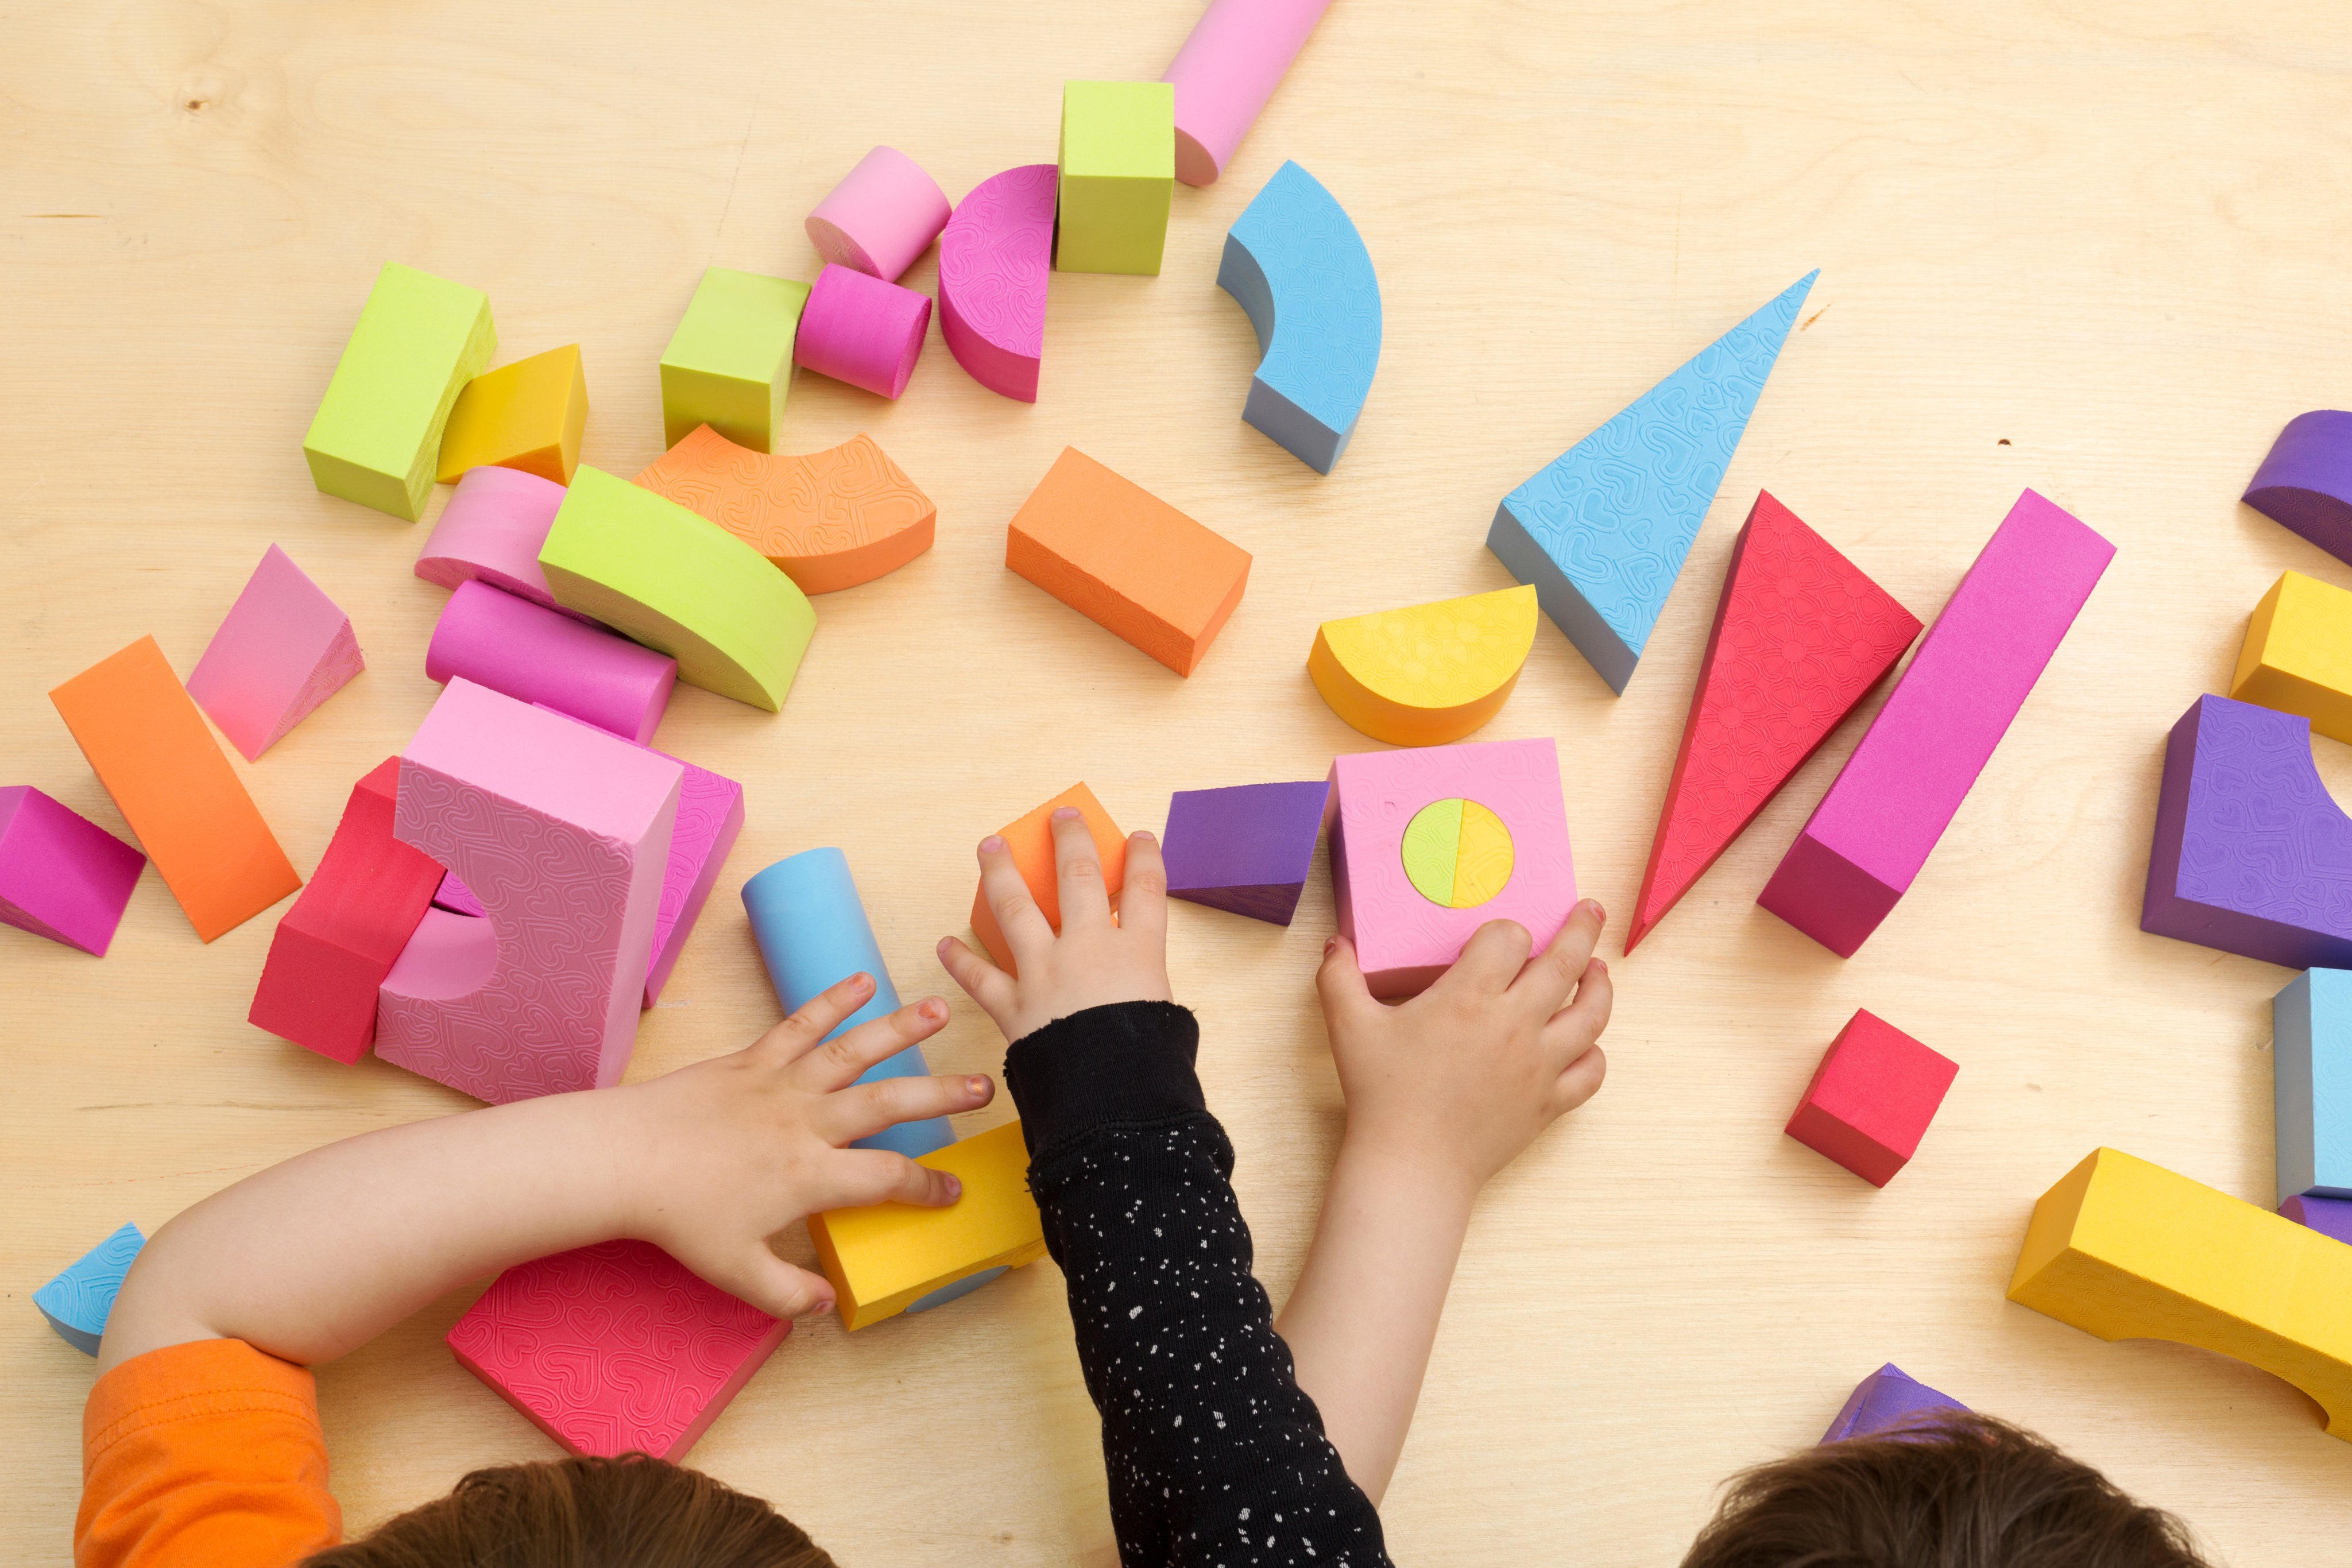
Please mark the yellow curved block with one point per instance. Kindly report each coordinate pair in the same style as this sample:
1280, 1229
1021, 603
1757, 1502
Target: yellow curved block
1482, 859
528, 415
2298, 653
1428, 673
2125, 1250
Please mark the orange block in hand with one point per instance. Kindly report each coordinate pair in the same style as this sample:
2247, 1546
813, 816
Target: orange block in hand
1121, 557
150, 747
1031, 840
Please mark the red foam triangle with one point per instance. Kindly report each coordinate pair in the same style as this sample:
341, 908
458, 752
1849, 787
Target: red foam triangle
1800, 636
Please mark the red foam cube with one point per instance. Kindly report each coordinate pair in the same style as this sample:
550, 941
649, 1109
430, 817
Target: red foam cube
1872, 1098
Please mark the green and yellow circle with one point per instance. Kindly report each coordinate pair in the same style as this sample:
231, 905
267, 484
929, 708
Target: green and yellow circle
1457, 853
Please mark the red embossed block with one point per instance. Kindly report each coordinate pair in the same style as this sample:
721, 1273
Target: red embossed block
615, 1348
1872, 1098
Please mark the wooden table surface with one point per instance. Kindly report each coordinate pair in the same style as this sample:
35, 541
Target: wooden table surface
2093, 250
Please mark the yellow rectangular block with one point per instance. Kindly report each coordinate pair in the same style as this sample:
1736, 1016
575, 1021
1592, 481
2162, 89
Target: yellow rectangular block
376, 438
885, 1259
2298, 653
528, 415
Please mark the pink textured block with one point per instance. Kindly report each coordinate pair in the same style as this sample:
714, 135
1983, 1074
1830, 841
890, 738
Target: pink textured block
880, 217
491, 532
995, 255
62, 876
863, 330
614, 1348
1881, 818
1227, 70
458, 898
284, 649
511, 646
564, 834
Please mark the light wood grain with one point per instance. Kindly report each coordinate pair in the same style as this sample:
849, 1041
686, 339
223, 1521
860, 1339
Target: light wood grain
2092, 249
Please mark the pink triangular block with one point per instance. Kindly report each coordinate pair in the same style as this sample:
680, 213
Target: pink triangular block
284, 649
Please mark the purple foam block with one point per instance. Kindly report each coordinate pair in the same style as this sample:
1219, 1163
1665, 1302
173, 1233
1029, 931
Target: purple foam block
62, 876
2328, 1216
1885, 1399
1881, 819
1246, 849
2253, 855
2305, 482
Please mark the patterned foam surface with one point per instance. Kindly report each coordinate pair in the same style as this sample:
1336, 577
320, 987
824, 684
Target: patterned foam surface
1297, 265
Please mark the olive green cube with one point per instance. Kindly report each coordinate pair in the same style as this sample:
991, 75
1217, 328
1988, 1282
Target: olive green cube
729, 363
1118, 175
376, 438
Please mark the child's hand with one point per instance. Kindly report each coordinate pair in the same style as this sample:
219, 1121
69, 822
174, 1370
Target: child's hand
1095, 960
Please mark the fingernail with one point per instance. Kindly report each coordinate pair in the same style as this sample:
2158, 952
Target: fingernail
955, 1189
932, 1008
1598, 913
942, 948
1065, 813
824, 1305
1330, 945
1142, 836
991, 844
1598, 965
861, 981
975, 1086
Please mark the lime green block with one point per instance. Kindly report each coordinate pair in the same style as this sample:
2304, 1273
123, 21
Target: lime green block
729, 363
1118, 173
1433, 841
376, 438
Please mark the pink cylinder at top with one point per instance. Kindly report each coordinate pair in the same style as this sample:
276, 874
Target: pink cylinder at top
491, 532
535, 655
862, 330
1227, 70
883, 214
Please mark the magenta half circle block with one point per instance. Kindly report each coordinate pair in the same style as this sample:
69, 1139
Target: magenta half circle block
2305, 482
995, 254
1246, 849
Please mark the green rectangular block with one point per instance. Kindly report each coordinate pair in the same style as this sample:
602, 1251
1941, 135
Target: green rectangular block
1118, 175
376, 438
729, 363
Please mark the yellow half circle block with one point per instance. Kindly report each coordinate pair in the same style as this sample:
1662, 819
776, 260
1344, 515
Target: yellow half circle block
1428, 673
1482, 859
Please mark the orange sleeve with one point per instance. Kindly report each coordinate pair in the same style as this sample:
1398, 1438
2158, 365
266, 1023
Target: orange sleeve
206, 1453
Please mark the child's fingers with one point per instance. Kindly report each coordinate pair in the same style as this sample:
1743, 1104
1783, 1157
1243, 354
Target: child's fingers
858, 1178
816, 1018
863, 1110
1493, 956
1340, 983
1016, 912
1570, 1031
768, 1282
1580, 1081
1552, 974
1143, 891
836, 1063
1078, 873
982, 982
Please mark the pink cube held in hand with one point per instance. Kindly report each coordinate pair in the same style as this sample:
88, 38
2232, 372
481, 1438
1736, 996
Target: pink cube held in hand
862, 330
283, 650
885, 212
1872, 1098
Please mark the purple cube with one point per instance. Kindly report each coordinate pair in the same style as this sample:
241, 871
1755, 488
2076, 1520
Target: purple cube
1887, 1398
1246, 849
62, 876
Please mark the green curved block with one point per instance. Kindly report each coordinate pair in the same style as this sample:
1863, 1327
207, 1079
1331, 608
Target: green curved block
649, 569
376, 438
1432, 841
729, 363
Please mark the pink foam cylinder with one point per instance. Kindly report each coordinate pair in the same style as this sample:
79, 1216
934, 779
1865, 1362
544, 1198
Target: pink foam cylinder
1227, 70
880, 217
995, 254
491, 532
511, 646
860, 329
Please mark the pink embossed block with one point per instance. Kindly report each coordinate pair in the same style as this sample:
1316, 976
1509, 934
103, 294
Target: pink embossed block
1416, 870
491, 532
562, 833
995, 255
614, 1348
283, 650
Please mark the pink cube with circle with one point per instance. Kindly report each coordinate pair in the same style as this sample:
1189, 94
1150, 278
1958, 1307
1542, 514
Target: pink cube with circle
862, 330
885, 212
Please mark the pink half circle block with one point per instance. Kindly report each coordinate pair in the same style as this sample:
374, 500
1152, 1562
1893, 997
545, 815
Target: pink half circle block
283, 650
994, 258
2305, 482
62, 876
534, 656
491, 531
860, 329
885, 212
1228, 67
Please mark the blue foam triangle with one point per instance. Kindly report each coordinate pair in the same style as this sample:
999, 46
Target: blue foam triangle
78, 1302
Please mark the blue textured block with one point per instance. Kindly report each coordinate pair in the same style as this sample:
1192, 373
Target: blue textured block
1887, 1400
77, 1301
1603, 531
2311, 1066
812, 929
1302, 273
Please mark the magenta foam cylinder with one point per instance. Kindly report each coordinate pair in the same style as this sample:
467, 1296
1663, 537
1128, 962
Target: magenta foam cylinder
860, 329
491, 532
1227, 70
535, 655
883, 214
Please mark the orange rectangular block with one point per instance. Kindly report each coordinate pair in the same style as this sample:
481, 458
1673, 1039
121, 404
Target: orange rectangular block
1123, 557
150, 747
1031, 840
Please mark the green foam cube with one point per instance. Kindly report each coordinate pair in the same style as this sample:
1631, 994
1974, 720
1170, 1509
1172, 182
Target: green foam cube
1119, 174
376, 438
729, 363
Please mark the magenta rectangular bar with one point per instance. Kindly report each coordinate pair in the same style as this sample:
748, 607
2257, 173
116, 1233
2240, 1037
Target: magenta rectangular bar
1879, 822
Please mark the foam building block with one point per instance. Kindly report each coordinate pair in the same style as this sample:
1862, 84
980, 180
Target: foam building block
1800, 636
614, 1349
1428, 674
2305, 482
528, 416
994, 256
896, 1257
1603, 531
149, 746
680, 584
564, 834
458, 898
494, 639
828, 520
862, 329
284, 649
62, 876
376, 438
813, 933
1245, 848
1865, 843
2328, 1216
1430, 844
1872, 1097
78, 1302
2125, 1250
2297, 656
885, 212
1127, 560
1229, 64
491, 532
1030, 840
336, 946
1299, 270
729, 363
1888, 1400
2253, 855
1117, 166
2311, 1064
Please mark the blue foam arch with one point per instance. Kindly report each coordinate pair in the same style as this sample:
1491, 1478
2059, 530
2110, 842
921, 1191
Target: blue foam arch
78, 1301
1603, 531
1300, 270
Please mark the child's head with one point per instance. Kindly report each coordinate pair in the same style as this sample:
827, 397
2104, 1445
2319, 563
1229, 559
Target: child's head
1966, 1492
629, 1512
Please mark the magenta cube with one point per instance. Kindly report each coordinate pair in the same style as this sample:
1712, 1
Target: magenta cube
62, 876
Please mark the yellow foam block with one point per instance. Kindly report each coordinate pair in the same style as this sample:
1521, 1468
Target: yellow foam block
2125, 1250
885, 1259
528, 415
1427, 674
2298, 653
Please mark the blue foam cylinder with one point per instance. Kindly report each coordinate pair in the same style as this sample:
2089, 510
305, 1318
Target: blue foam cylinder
2311, 1056
812, 929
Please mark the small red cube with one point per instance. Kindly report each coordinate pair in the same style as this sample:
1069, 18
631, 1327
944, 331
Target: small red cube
1872, 1098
